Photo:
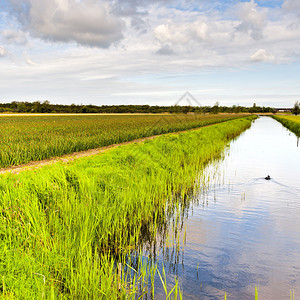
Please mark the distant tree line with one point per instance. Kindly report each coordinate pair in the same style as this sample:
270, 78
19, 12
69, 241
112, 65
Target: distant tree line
47, 107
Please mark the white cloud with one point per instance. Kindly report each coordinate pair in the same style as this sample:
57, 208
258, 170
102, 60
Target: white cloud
14, 37
182, 37
87, 22
30, 62
292, 9
292, 6
3, 51
262, 55
173, 33
165, 50
253, 20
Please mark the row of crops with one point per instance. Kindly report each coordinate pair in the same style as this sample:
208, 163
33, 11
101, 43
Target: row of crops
31, 138
65, 228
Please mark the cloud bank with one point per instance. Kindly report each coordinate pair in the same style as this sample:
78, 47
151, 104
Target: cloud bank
173, 27
122, 45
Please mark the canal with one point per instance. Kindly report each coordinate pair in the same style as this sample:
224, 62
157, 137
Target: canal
241, 230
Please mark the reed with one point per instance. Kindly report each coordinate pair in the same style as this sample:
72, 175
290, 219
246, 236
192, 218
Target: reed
66, 228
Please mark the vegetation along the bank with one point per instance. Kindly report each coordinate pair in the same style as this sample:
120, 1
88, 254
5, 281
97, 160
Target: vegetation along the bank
290, 122
29, 138
65, 228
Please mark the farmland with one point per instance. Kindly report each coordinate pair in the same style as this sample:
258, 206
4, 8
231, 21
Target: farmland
31, 138
290, 122
65, 227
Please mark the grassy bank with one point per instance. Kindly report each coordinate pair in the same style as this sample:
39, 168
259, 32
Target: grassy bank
290, 122
64, 228
30, 138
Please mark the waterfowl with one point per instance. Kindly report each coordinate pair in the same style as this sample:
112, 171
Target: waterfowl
268, 177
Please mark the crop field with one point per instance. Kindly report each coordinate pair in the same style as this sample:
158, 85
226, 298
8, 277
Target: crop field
32, 138
290, 122
66, 227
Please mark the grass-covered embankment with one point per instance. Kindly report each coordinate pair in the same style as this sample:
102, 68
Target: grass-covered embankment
32, 138
290, 122
62, 225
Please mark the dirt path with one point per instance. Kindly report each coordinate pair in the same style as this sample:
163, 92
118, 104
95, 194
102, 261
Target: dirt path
70, 157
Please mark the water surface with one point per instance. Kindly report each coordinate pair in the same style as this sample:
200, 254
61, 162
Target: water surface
244, 230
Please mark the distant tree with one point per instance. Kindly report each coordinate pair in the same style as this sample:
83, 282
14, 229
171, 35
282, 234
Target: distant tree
83, 109
21, 107
36, 107
45, 107
236, 109
296, 108
254, 108
215, 108
14, 105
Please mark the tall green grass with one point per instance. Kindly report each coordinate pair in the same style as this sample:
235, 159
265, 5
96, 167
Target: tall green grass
29, 138
290, 122
65, 228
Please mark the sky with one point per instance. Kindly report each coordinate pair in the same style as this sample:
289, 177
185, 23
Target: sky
111, 52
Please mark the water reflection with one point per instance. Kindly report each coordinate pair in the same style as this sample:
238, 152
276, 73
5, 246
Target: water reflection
242, 230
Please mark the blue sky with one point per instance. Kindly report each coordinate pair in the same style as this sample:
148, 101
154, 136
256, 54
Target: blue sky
150, 52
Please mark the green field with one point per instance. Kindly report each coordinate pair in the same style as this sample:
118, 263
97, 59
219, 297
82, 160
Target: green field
36, 137
64, 228
290, 122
